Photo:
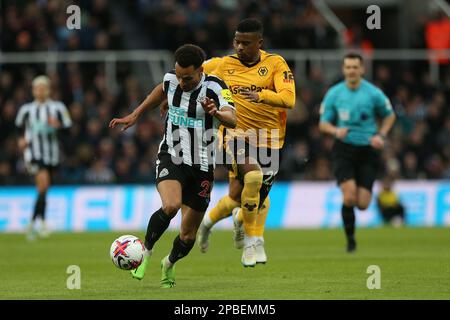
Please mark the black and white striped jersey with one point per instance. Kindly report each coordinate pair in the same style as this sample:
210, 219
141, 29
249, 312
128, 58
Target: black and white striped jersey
190, 133
42, 139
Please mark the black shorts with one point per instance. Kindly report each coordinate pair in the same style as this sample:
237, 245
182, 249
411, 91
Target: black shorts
360, 163
268, 159
34, 166
196, 184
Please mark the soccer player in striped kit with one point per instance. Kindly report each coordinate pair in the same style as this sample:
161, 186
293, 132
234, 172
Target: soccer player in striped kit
198, 104
41, 121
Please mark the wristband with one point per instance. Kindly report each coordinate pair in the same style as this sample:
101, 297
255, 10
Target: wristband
382, 136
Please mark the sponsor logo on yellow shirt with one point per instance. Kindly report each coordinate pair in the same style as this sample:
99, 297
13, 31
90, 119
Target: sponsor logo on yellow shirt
226, 94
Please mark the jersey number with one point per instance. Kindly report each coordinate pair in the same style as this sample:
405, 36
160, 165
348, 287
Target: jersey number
206, 185
288, 76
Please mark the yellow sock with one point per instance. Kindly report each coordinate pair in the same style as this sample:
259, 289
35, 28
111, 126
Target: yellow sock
222, 210
261, 218
250, 200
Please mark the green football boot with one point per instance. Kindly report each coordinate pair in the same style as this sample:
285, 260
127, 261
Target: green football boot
139, 272
167, 274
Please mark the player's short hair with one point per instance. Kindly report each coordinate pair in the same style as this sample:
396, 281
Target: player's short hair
353, 55
190, 55
41, 80
250, 25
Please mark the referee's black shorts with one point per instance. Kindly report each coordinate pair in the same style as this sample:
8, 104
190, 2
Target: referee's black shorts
361, 163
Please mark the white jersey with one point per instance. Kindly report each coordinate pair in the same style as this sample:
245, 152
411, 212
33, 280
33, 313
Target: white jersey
42, 139
190, 132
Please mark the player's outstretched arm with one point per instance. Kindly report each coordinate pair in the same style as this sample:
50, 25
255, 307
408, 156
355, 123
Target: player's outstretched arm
283, 95
153, 100
226, 115
285, 98
22, 144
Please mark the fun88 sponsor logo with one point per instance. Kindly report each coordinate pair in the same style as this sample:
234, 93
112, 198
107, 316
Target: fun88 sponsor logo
179, 117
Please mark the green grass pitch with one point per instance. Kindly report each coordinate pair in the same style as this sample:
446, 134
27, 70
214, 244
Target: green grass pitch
303, 264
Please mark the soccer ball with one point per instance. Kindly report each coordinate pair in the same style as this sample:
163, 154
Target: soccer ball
127, 252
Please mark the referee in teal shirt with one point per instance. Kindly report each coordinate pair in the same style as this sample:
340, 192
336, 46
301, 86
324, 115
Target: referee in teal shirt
349, 112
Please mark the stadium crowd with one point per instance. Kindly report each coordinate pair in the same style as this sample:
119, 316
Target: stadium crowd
291, 24
418, 147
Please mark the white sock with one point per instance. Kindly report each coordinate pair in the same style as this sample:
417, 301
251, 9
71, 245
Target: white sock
168, 263
207, 221
30, 226
260, 239
236, 217
249, 241
148, 253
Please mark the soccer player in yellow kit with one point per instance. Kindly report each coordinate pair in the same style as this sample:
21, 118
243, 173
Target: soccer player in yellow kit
263, 88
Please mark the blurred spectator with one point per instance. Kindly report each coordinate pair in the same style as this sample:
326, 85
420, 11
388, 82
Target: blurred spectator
419, 144
437, 35
6, 177
123, 171
294, 161
321, 169
354, 39
145, 173
410, 166
99, 173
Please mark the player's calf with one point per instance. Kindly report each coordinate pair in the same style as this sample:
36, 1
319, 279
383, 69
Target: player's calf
203, 237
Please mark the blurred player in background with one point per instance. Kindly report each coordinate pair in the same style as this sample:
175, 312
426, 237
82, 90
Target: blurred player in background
263, 89
41, 120
349, 112
388, 202
198, 103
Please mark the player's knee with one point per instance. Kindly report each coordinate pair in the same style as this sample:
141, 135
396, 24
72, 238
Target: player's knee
235, 197
253, 179
188, 235
349, 200
42, 188
363, 205
171, 209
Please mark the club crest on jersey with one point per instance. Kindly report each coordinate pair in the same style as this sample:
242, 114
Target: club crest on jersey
164, 172
262, 71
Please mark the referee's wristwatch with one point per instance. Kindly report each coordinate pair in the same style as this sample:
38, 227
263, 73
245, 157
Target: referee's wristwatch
382, 136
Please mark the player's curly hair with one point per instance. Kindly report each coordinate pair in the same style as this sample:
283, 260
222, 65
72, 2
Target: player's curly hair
250, 25
190, 55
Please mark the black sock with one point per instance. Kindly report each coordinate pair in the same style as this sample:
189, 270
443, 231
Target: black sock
158, 223
180, 249
348, 216
39, 207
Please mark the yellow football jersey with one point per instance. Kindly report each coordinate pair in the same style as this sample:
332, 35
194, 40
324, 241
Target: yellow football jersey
272, 79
